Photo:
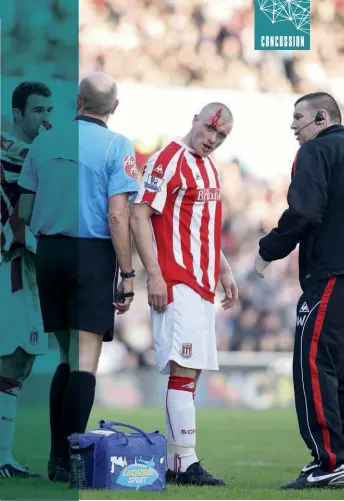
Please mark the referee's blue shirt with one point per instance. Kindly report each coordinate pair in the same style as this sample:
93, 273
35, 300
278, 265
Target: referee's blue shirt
73, 173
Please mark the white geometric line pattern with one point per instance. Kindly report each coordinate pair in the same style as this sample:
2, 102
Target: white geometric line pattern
297, 12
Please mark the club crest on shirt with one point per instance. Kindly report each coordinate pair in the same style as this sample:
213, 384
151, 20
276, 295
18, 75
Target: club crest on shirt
33, 337
154, 183
186, 351
130, 167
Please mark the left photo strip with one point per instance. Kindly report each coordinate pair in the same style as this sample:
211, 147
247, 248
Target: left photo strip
39, 90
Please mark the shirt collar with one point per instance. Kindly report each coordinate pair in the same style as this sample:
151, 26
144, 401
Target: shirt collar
93, 120
179, 140
330, 129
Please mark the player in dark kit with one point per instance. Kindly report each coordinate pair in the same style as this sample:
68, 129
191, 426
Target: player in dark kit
315, 220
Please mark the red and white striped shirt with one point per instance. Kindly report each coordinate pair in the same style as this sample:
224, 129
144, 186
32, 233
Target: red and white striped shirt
14, 234
183, 188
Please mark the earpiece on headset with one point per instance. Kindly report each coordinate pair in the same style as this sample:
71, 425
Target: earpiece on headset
319, 117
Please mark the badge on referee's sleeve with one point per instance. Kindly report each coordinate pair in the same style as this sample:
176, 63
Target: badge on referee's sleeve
130, 167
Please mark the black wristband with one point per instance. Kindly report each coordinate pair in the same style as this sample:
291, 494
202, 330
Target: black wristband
131, 274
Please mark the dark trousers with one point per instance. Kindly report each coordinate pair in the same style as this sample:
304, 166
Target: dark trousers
318, 370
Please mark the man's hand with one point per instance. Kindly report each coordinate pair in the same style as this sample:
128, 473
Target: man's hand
123, 304
157, 292
260, 265
231, 289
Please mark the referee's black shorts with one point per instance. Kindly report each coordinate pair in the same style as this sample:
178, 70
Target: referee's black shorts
77, 281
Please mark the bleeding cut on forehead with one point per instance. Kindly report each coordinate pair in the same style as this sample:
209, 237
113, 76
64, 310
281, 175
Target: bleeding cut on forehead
209, 129
218, 115
216, 118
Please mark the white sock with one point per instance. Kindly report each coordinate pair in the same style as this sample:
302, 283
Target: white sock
180, 418
9, 390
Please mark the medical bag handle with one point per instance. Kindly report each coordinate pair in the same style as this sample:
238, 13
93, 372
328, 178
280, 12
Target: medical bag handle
108, 425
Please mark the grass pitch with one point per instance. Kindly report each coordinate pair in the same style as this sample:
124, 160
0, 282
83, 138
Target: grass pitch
255, 451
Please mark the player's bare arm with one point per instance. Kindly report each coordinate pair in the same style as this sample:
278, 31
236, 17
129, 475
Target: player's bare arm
118, 217
228, 283
26, 203
142, 235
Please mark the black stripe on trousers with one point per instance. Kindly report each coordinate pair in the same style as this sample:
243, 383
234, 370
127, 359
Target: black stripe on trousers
317, 368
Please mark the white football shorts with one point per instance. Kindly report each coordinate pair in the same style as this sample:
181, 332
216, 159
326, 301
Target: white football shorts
20, 312
185, 332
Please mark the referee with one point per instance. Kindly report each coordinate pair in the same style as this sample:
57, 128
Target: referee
77, 182
315, 220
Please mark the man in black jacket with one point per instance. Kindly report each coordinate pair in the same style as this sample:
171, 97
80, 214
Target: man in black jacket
315, 220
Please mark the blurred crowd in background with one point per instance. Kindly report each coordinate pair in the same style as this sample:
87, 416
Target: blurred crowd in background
44, 32
207, 43
194, 43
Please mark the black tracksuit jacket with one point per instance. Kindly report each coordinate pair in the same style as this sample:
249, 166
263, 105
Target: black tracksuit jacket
315, 216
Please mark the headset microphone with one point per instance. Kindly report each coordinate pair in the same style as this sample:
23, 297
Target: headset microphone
305, 126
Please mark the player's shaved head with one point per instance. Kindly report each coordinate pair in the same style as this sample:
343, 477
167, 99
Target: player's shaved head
209, 128
98, 94
216, 112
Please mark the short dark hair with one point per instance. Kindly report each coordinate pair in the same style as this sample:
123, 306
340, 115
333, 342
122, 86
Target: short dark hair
24, 90
323, 100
